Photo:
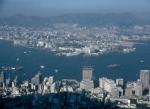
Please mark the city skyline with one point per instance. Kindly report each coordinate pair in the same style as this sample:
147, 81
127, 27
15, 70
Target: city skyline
75, 54
116, 90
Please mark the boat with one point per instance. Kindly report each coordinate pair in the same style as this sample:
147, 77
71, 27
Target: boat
113, 65
42, 66
17, 68
18, 59
56, 70
141, 61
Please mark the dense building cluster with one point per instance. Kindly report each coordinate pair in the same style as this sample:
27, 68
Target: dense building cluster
73, 39
116, 91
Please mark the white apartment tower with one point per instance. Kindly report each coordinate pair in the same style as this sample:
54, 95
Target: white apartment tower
144, 78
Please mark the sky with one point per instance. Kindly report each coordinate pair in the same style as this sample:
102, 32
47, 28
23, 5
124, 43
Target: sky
56, 7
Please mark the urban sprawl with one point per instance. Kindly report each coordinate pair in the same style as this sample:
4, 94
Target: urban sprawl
73, 39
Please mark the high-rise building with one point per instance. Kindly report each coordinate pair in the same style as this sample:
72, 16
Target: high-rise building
144, 78
87, 82
119, 82
37, 79
50, 79
138, 90
8, 82
87, 73
149, 92
107, 84
110, 86
47, 84
2, 78
15, 80
130, 89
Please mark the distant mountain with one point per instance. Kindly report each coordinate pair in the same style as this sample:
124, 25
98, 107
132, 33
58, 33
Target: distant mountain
119, 19
88, 19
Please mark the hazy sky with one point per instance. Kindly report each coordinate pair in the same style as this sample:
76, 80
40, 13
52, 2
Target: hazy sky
55, 7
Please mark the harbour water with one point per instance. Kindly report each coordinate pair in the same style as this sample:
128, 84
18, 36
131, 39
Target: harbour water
61, 67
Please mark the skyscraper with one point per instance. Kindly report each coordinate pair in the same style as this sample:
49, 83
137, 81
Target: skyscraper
87, 73
87, 82
144, 78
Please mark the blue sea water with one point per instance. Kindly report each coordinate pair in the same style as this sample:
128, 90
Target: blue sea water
71, 67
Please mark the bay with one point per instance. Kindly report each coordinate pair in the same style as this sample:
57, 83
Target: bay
62, 67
